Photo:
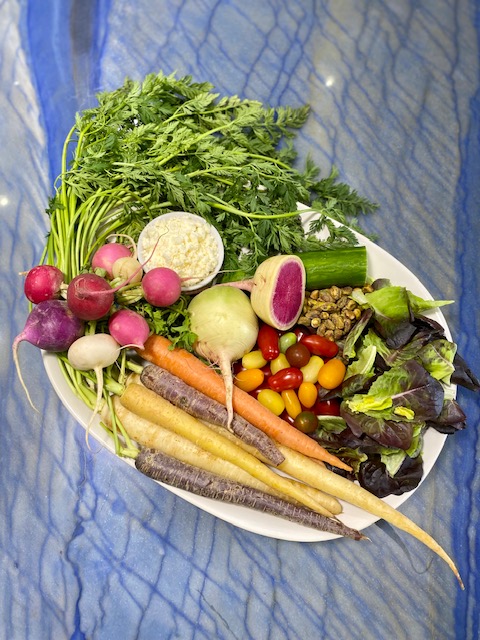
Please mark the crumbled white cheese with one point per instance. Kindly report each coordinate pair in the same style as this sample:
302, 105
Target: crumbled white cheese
186, 245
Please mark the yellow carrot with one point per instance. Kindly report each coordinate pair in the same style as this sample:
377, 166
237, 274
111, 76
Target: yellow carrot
328, 502
198, 375
309, 471
147, 404
153, 436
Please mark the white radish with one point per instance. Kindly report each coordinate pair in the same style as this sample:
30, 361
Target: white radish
226, 328
94, 352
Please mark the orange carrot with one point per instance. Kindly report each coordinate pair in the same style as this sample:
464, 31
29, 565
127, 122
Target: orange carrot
200, 376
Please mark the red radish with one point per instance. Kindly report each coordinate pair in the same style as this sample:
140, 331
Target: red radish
43, 282
277, 290
161, 286
129, 328
50, 326
89, 296
108, 254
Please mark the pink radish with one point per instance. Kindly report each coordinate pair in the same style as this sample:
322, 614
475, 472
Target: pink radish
89, 296
108, 254
128, 328
43, 282
50, 326
161, 286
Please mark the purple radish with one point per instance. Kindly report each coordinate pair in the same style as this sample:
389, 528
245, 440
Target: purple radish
43, 282
128, 328
50, 326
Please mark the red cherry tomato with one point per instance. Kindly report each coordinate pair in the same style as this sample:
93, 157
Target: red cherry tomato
268, 342
320, 346
267, 372
301, 331
285, 416
327, 407
298, 355
290, 378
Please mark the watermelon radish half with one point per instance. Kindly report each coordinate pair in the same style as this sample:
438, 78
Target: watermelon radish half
277, 290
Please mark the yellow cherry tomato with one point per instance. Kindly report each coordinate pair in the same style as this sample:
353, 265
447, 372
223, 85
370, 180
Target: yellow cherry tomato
311, 369
249, 379
253, 360
271, 400
292, 403
279, 363
332, 373
307, 394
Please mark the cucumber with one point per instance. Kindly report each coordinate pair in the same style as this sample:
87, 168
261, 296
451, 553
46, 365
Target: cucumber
342, 267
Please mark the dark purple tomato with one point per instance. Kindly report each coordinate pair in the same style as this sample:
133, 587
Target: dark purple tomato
306, 421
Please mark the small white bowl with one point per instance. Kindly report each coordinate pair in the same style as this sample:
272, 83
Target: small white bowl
172, 248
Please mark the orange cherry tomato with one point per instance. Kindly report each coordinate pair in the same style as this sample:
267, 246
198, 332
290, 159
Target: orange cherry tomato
249, 379
332, 373
307, 394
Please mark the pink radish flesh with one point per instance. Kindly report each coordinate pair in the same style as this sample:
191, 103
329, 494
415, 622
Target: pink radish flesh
43, 282
89, 296
288, 294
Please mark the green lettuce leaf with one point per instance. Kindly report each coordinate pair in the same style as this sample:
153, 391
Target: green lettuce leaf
437, 358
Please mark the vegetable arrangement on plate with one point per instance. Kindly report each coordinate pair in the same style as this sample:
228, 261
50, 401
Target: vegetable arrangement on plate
255, 394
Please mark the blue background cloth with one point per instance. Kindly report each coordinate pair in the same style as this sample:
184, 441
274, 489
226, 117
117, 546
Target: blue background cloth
89, 547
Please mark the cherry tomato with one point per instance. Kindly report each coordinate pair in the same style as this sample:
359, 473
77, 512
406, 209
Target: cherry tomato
287, 418
249, 379
278, 363
287, 340
292, 403
290, 378
327, 407
271, 400
307, 394
332, 373
253, 360
267, 341
298, 355
237, 366
267, 372
306, 421
320, 346
312, 369
301, 331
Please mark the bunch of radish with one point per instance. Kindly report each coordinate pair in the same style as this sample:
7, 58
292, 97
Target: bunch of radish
61, 311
